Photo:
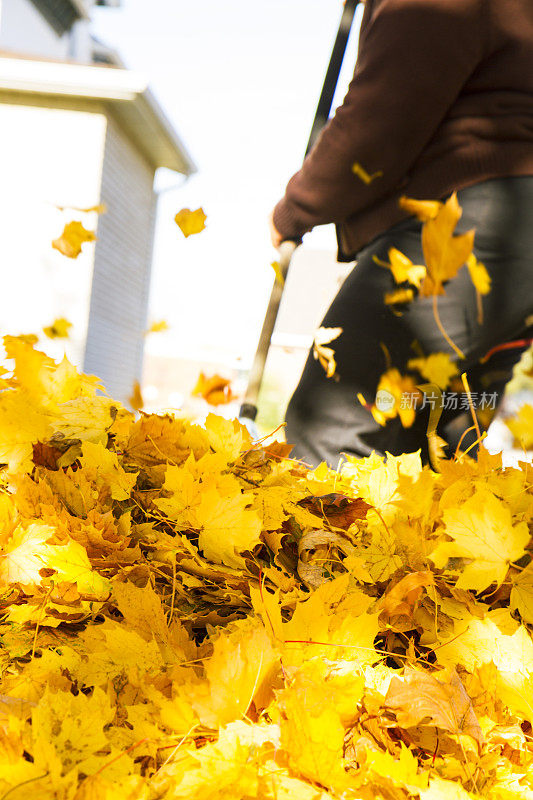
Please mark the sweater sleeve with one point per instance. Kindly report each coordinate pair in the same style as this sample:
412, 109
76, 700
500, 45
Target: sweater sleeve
414, 58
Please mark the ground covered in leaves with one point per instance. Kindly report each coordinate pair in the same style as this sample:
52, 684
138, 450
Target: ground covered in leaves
187, 614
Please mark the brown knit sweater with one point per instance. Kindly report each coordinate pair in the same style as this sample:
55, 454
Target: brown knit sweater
442, 98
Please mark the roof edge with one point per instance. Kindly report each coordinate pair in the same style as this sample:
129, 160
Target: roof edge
126, 92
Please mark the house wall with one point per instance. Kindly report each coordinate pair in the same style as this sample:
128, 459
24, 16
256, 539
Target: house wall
121, 280
49, 157
24, 30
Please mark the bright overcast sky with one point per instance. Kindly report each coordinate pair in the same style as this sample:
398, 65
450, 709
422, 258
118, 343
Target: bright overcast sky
240, 80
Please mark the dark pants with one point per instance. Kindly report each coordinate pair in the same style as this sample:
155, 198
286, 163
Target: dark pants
325, 418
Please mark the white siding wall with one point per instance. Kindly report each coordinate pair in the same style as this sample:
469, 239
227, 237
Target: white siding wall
24, 29
123, 258
48, 157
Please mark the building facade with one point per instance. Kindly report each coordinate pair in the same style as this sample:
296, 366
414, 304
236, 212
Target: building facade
78, 130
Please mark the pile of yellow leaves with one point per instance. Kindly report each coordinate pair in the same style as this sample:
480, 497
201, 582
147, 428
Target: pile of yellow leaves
188, 614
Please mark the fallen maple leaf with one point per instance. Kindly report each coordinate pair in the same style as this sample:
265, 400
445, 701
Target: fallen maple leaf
483, 532
440, 700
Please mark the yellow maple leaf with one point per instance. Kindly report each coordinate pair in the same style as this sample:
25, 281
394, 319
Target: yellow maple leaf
444, 253
522, 593
184, 489
479, 641
73, 237
521, 426
25, 555
482, 530
102, 466
190, 222
437, 368
71, 563
440, 789
21, 426
326, 355
68, 730
402, 771
28, 553
312, 737
227, 526
143, 612
244, 657
59, 329
227, 437
87, 418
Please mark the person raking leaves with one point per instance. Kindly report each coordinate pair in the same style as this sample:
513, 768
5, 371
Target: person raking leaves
441, 102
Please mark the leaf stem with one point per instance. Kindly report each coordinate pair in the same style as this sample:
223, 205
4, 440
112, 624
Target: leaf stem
442, 330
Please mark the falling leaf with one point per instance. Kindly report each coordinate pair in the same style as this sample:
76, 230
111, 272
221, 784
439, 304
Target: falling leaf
423, 209
326, 355
437, 368
403, 268
398, 296
59, 329
158, 327
71, 240
479, 275
397, 396
278, 273
190, 222
444, 253
361, 173
136, 399
215, 389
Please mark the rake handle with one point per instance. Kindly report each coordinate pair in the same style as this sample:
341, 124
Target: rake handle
249, 406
